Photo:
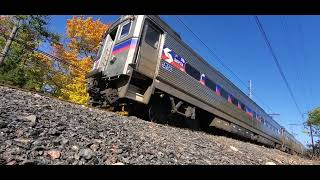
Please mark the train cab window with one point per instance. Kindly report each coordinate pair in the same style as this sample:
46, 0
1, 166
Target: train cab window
210, 84
192, 72
125, 29
152, 37
113, 33
224, 94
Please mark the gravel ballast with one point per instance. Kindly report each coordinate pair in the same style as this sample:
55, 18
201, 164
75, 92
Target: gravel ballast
36, 129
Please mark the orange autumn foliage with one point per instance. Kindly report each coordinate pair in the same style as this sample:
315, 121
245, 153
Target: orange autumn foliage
54, 76
84, 36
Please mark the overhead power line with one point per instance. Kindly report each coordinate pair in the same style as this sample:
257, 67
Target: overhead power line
291, 52
212, 52
305, 63
264, 35
221, 62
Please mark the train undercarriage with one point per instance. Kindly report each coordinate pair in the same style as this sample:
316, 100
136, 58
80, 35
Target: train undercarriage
162, 108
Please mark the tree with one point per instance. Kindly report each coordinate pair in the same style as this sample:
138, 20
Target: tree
314, 120
313, 123
21, 66
84, 36
9, 42
314, 117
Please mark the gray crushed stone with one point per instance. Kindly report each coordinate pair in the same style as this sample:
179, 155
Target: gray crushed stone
36, 129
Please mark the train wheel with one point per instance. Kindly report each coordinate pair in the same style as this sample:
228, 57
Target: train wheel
158, 114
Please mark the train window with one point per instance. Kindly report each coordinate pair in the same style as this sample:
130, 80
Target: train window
249, 111
229, 98
224, 93
210, 84
218, 90
113, 33
235, 101
152, 37
259, 117
192, 72
242, 106
254, 114
125, 30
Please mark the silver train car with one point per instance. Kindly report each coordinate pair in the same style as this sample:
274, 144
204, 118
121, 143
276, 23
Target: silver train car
144, 67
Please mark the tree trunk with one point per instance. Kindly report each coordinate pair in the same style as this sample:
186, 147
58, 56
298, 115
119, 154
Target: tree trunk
8, 43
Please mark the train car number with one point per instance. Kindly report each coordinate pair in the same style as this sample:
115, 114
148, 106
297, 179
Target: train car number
166, 66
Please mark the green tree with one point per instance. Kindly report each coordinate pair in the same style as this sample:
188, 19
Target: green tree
22, 66
314, 117
314, 121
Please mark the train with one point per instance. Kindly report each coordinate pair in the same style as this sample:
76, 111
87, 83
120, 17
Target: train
144, 67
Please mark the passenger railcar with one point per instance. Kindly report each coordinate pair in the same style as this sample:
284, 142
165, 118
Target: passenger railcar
142, 62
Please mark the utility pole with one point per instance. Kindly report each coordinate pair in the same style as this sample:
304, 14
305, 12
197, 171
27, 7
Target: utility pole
9, 42
250, 89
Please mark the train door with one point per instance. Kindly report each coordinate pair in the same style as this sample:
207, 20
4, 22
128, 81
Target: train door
149, 49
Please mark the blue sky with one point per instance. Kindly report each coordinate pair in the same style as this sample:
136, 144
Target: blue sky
238, 42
